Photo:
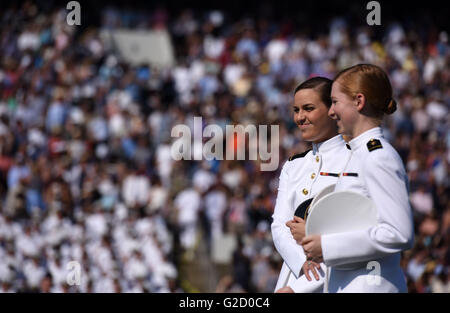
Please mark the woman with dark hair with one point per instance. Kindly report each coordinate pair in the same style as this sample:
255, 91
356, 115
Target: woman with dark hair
367, 260
302, 177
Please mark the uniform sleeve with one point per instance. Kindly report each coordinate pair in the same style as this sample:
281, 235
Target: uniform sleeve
291, 252
386, 182
303, 285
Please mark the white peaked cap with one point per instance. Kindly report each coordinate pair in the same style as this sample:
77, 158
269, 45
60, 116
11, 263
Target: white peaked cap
340, 211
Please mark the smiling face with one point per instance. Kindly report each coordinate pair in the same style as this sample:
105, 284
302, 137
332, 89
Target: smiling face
311, 116
343, 109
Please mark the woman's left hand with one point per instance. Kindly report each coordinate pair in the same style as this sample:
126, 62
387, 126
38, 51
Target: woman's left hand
312, 246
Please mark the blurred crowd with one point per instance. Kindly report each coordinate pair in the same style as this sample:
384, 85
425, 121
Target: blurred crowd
86, 172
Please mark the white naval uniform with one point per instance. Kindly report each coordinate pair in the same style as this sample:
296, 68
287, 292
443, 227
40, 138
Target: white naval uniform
301, 179
380, 176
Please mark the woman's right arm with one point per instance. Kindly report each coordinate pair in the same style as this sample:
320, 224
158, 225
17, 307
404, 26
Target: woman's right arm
291, 252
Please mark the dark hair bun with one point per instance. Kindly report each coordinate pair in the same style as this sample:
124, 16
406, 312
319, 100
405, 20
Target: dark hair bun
391, 107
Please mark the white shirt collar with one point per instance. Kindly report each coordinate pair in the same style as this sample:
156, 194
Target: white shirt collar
363, 138
328, 145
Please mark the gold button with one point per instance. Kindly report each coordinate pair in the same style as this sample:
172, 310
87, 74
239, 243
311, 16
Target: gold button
313, 175
317, 158
305, 192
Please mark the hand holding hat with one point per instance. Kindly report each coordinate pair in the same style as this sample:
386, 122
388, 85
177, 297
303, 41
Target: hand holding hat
297, 227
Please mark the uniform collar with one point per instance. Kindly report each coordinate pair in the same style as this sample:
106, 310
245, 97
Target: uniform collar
362, 139
328, 145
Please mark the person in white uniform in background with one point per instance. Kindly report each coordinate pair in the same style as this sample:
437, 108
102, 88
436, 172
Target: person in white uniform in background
367, 260
303, 176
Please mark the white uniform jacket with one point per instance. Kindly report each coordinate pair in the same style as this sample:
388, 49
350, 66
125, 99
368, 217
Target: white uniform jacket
376, 171
301, 178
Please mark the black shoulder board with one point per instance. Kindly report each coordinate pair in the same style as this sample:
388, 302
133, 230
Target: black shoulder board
374, 144
300, 155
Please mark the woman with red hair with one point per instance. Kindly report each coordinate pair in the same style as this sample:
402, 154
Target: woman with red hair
367, 260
